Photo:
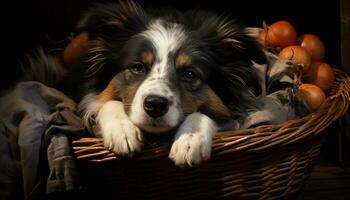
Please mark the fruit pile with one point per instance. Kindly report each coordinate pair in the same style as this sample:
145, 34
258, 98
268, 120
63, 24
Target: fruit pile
307, 51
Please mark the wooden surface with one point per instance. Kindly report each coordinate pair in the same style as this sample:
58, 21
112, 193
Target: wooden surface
327, 182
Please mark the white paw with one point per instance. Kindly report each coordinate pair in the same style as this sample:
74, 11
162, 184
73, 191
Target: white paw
190, 149
119, 134
193, 140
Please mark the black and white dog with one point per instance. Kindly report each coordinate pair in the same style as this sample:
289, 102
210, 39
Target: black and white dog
165, 71
153, 72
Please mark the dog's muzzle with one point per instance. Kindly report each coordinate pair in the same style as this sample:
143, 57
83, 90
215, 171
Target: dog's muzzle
156, 106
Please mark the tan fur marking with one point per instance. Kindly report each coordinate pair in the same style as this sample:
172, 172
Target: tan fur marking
182, 60
215, 106
128, 97
207, 102
107, 93
147, 57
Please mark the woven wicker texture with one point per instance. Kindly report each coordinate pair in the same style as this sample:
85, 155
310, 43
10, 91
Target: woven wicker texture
266, 162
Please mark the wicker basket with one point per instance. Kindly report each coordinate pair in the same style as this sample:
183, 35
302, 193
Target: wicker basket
267, 162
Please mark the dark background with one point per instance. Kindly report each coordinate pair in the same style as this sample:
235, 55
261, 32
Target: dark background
50, 23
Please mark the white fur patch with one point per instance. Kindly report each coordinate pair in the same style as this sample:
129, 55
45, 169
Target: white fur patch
119, 134
89, 107
165, 40
140, 118
193, 140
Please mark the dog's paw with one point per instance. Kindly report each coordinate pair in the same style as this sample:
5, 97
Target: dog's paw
193, 141
190, 149
122, 137
119, 134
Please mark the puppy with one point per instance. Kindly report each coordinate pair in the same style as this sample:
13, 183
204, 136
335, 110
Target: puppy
155, 72
163, 71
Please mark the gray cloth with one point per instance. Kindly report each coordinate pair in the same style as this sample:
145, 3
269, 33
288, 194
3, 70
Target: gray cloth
35, 119
278, 101
63, 174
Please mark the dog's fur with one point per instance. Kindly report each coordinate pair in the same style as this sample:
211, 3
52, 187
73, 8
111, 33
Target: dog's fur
161, 71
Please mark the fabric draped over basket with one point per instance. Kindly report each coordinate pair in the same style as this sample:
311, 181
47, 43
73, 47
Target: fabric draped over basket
36, 155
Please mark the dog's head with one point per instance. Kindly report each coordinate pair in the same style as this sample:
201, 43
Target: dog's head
166, 65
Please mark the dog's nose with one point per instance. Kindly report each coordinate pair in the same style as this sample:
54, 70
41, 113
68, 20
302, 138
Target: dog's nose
156, 106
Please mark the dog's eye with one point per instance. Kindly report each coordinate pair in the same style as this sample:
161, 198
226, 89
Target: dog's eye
190, 75
138, 68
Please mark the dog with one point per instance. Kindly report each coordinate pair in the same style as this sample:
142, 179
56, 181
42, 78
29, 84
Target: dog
153, 72
164, 71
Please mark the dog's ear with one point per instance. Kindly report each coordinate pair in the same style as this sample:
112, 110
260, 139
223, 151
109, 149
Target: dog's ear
112, 16
235, 36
